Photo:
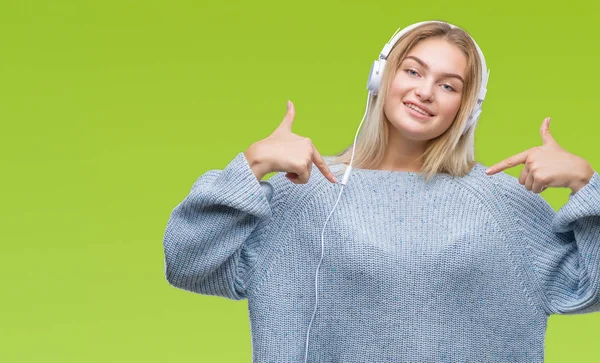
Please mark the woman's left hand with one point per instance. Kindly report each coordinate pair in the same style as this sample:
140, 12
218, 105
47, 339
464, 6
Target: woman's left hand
548, 165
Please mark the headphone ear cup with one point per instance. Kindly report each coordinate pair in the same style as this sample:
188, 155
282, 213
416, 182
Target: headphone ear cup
473, 118
375, 75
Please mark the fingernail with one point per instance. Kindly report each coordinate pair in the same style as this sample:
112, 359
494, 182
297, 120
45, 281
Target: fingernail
488, 171
335, 179
288, 105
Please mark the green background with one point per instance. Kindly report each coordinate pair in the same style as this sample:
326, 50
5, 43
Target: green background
111, 110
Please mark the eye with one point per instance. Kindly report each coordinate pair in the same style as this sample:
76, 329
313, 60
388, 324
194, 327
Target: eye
448, 87
412, 72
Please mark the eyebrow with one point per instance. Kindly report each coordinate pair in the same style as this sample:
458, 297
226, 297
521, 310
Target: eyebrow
453, 75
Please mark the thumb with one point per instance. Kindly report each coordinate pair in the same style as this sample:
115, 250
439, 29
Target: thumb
547, 138
288, 120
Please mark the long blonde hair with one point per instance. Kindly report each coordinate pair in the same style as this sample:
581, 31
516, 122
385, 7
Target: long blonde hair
451, 152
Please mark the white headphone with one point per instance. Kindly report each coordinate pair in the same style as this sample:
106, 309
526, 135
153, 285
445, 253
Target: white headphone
373, 86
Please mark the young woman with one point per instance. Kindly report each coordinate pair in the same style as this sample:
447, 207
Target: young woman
428, 258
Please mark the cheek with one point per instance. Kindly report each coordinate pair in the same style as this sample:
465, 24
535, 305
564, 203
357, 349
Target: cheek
395, 93
450, 108
399, 85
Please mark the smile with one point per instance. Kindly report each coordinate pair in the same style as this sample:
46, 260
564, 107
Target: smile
417, 112
417, 109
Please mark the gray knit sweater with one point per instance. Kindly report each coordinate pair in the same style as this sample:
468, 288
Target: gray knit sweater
457, 269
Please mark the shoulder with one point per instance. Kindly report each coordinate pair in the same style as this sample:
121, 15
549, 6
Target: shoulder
500, 182
280, 187
503, 193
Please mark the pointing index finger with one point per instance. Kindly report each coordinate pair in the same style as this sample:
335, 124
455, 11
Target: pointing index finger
322, 166
508, 163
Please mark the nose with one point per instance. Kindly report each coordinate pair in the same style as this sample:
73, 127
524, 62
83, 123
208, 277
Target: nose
424, 91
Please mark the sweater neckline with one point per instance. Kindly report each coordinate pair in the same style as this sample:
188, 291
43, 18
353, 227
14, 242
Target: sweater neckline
402, 173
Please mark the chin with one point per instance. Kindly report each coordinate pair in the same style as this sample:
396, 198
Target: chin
412, 133
414, 130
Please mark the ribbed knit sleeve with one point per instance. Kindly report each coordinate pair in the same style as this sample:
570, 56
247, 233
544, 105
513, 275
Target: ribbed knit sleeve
563, 248
212, 236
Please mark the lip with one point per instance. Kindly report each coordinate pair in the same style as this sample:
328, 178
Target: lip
415, 114
419, 106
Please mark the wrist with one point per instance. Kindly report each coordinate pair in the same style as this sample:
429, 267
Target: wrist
255, 162
582, 179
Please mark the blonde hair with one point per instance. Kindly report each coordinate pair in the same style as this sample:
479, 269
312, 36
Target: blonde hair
451, 152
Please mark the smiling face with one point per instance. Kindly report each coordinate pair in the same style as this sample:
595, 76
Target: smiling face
425, 94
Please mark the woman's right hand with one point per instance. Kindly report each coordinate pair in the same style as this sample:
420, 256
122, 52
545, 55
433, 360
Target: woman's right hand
286, 152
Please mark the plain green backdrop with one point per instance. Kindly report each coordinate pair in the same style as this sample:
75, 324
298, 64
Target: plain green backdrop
110, 110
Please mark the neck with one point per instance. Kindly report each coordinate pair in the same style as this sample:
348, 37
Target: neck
403, 154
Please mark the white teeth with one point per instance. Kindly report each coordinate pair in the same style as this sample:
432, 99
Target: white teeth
419, 110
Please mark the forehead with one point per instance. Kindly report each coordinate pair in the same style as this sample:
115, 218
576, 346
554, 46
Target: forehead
440, 55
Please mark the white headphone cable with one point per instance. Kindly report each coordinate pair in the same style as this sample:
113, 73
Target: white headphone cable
343, 183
